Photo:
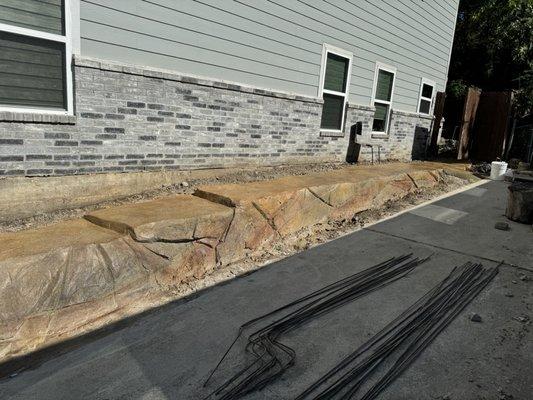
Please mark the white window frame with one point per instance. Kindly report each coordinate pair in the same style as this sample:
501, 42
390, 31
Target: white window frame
67, 40
431, 83
386, 68
326, 49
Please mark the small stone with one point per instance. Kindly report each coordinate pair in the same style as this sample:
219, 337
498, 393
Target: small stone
522, 319
476, 318
524, 278
502, 226
515, 282
184, 184
509, 295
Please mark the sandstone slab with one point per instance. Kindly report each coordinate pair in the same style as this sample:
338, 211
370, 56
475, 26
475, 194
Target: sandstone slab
248, 232
266, 210
171, 219
59, 281
350, 198
45, 271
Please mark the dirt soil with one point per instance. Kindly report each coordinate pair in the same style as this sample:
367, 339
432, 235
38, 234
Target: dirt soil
242, 176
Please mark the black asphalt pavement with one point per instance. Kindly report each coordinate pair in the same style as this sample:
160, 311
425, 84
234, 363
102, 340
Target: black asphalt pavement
168, 353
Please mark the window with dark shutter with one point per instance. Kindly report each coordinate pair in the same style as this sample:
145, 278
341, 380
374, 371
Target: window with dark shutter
382, 97
34, 65
334, 88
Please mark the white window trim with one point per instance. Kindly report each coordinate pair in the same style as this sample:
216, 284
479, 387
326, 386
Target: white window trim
67, 40
391, 69
326, 49
431, 83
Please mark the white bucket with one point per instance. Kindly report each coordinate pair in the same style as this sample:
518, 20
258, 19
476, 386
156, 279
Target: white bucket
497, 170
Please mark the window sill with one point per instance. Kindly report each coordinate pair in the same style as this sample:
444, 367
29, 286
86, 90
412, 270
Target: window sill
426, 116
331, 133
35, 117
379, 135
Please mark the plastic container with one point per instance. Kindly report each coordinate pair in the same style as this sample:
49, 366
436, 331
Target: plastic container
497, 170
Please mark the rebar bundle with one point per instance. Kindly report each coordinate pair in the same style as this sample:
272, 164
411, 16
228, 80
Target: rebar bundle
397, 345
271, 358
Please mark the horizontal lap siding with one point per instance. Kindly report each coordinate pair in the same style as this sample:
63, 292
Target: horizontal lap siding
31, 72
41, 15
277, 44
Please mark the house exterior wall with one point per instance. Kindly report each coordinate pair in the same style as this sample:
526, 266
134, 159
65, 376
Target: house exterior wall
407, 137
277, 44
142, 100
130, 119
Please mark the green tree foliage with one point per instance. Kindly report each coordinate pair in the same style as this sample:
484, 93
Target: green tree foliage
493, 49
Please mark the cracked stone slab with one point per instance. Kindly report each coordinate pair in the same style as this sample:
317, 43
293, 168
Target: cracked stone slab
65, 264
248, 231
291, 211
57, 281
350, 198
172, 219
46, 272
291, 203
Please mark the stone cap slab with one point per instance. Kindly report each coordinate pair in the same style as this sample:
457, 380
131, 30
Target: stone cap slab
65, 234
236, 194
177, 218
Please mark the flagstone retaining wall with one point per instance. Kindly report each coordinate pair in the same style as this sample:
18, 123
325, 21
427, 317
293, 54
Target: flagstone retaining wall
69, 278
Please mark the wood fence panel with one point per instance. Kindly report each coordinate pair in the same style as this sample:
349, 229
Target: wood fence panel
491, 126
467, 123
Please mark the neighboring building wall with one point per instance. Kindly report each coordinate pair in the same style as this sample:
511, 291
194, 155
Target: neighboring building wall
277, 44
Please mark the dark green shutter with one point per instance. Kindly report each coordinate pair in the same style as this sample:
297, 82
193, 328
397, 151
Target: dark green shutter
31, 72
45, 16
384, 85
332, 112
336, 73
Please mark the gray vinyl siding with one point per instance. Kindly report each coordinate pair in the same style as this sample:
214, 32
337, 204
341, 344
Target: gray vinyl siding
277, 44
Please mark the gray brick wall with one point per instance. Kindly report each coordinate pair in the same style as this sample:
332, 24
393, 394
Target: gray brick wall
130, 119
406, 139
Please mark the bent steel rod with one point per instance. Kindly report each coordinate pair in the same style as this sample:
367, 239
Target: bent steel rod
354, 376
326, 289
404, 338
272, 357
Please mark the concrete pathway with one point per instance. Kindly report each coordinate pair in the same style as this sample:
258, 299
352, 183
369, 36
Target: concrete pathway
169, 352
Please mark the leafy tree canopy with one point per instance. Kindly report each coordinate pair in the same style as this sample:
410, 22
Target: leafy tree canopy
493, 49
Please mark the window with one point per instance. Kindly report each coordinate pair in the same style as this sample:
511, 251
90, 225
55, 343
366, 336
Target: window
382, 96
427, 89
35, 54
334, 87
